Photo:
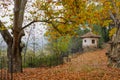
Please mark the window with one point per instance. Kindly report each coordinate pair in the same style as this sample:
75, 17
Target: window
85, 41
93, 41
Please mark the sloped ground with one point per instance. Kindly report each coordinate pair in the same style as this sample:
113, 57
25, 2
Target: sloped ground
88, 66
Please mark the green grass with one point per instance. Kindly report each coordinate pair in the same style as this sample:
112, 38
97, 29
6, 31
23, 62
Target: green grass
42, 61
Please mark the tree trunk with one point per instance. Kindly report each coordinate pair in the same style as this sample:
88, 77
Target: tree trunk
9, 56
13, 41
16, 54
14, 58
114, 52
18, 33
14, 49
17, 62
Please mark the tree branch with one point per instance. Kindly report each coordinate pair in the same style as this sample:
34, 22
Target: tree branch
112, 16
115, 7
47, 21
50, 22
33, 22
5, 34
53, 25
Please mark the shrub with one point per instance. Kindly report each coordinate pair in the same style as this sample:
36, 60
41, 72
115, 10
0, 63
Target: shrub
43, 61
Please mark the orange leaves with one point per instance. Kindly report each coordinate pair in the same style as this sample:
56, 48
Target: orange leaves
107, 5
49, 1
54, 35
61, 27
87, 66
118, 4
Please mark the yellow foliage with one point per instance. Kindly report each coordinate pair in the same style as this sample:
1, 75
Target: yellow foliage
79, 12
3, 28
106, 22
112, 32
61, 27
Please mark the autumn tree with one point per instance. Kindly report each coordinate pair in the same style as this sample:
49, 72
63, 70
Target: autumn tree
113, 11
63, 18
13, 39
108, 16
104, 13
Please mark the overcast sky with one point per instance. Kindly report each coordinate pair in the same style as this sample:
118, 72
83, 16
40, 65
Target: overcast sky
37, 32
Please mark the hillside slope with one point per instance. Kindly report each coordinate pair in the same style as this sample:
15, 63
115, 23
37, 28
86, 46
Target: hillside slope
88, 66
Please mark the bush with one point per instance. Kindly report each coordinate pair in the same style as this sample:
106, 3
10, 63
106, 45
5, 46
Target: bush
43, 61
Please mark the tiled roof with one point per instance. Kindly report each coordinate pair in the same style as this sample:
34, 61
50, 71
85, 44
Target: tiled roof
90, 35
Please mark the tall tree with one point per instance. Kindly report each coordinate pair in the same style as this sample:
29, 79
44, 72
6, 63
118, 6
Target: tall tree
108, 15
13, 39
14, 44
80, 12
101, 12
114, 51
63, 17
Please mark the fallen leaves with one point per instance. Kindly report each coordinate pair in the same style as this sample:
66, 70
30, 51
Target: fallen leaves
87, 66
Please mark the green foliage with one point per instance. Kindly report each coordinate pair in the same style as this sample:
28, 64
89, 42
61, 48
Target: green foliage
3, 62
103, 32
76, 43
42, 61
60, 45
98, 30
58, 49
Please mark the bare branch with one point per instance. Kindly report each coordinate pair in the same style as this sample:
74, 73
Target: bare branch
33, 22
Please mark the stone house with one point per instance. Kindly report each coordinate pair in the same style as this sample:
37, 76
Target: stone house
90, 41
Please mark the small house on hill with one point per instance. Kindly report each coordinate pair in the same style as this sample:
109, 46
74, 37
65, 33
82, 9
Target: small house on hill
90, 40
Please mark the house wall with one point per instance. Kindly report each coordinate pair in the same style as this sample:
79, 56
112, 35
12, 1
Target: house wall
87, 42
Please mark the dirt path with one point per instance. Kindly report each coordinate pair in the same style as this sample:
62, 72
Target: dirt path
88, 66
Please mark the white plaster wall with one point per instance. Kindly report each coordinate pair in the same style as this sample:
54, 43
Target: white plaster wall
89, 43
